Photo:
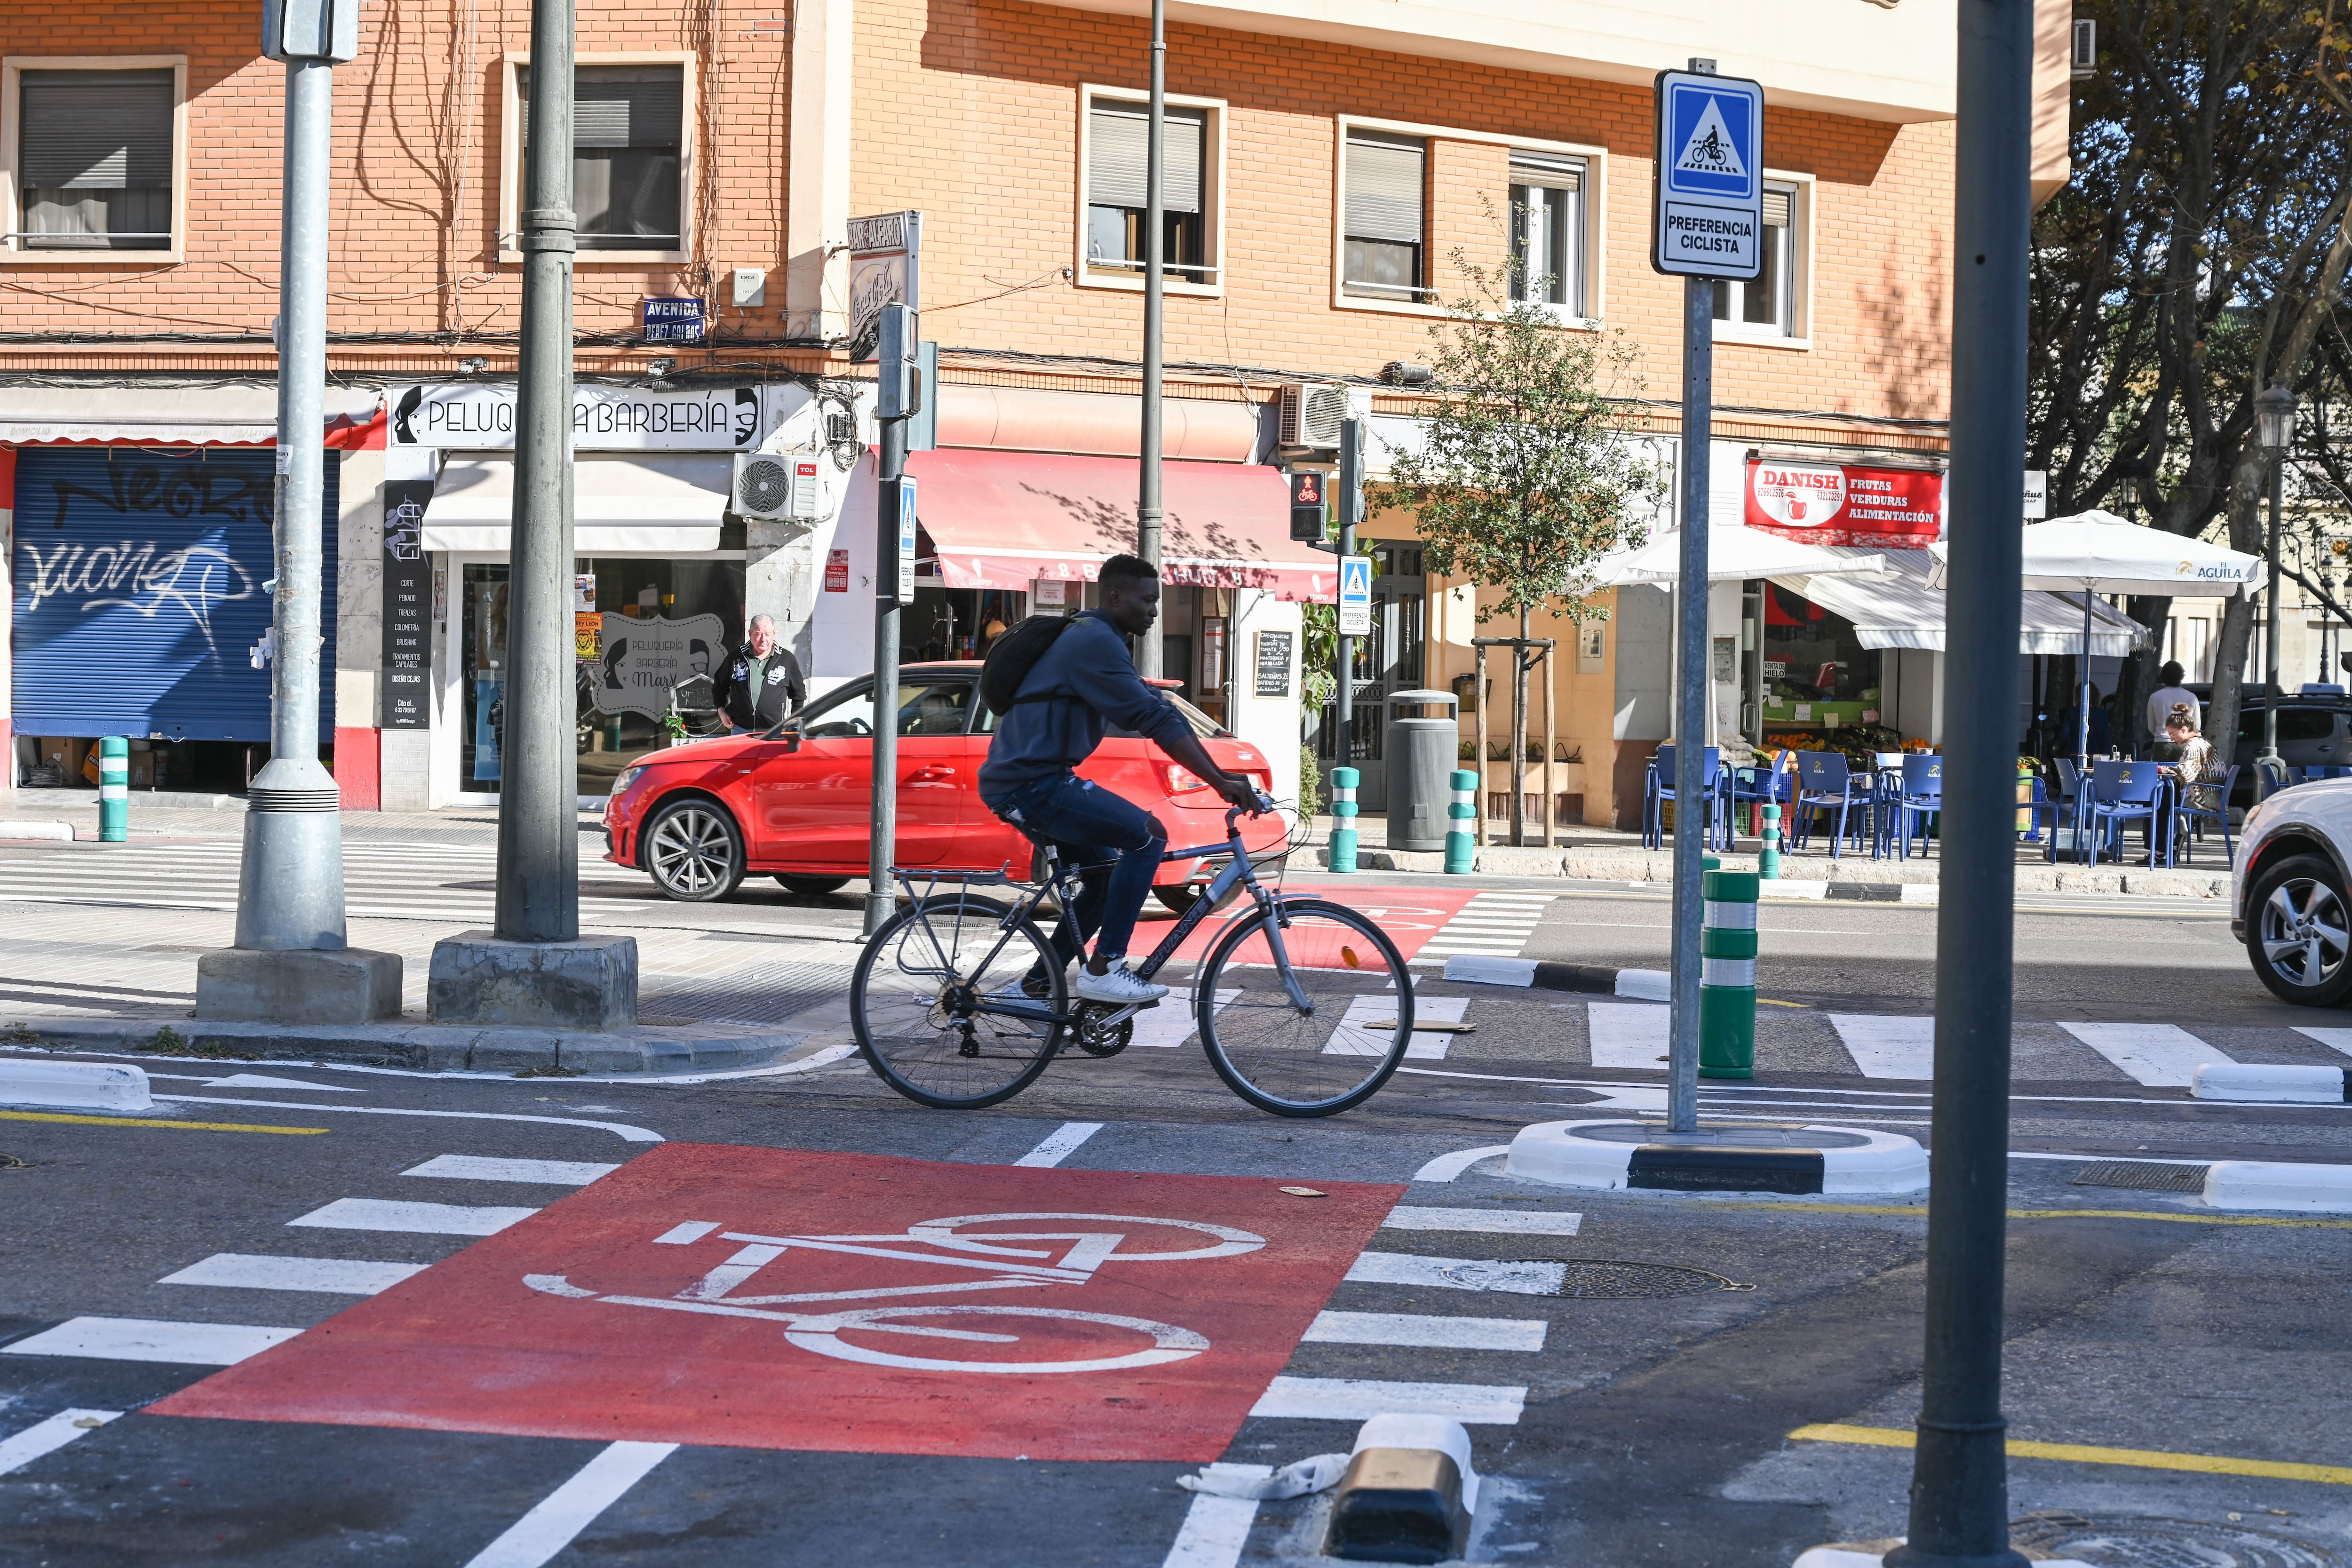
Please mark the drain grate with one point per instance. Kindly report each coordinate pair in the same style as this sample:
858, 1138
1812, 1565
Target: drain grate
2127, 1541
2144, 1175
1607, 1280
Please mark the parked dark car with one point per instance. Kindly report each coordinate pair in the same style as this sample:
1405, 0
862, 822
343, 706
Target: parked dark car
2314, 731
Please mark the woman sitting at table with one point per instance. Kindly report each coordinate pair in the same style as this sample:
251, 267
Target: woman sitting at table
2196, 766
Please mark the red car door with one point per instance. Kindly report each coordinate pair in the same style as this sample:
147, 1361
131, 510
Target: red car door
813, 802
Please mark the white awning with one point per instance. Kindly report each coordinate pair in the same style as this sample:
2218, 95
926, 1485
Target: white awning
240, 415
1900, 610
619, 505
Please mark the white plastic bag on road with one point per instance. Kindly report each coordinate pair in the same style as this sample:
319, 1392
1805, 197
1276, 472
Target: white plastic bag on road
1317, 1473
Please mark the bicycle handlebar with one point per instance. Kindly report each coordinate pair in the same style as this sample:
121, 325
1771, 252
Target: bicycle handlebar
1264, 803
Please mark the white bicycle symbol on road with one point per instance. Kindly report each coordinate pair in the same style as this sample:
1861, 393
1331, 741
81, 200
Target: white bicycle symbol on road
820, 1329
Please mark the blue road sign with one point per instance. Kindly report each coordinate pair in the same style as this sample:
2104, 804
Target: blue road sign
1355, 595
905, 585
1710, 203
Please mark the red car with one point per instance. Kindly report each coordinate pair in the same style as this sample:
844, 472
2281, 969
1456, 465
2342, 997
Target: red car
794, 804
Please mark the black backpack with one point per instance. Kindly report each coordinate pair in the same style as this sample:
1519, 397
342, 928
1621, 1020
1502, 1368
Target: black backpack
1012, 657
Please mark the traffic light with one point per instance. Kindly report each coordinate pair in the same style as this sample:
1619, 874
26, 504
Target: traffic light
1309, 491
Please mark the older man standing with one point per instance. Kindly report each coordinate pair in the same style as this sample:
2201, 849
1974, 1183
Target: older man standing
759, 683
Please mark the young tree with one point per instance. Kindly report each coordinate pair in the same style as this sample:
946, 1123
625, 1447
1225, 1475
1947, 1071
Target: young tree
1523, 477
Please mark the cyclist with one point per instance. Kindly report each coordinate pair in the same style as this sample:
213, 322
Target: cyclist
1082, 683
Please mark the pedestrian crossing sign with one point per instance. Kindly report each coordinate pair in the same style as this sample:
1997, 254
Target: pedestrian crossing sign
1710, 187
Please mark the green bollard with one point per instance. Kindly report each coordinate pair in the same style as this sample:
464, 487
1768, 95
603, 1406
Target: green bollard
1767, 857
1726, 986
1461, 844
1343, 818
113, 790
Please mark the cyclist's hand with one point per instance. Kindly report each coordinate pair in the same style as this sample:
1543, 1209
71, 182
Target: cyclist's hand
1239, 793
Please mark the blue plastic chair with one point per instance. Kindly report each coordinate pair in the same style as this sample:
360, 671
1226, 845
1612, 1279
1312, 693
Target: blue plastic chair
2121, 793
1774, 783
1660, 790
1919, 795
2188, 816
1825, 784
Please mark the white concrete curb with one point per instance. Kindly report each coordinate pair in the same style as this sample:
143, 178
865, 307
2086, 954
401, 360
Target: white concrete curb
1780, 887
2279, 1085
74, 1086
1484, 969
62, 832
2270, 1184
1844, 1557
1560, 1152
1645, 984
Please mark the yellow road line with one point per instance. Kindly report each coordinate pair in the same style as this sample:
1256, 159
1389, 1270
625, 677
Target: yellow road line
136, 1121
2082, 1452
1920, 1211
1776, 1002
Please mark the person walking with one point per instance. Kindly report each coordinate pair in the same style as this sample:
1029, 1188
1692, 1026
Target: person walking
759, 685
2172, 694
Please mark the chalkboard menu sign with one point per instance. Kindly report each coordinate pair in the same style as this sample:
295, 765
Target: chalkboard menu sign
1273, 664
407, 600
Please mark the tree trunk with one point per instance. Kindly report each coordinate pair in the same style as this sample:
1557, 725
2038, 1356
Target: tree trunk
2138, 678
2237, 614
1519, 733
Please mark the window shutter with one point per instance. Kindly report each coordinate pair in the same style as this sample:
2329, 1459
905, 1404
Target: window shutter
1553, 171
1117, 148
1384, 188
1776, 208
106, 131
621, 107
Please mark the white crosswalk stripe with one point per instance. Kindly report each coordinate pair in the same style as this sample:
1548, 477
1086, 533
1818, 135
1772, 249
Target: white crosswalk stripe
152, 1339
1360, 1399
1887, 1045
2154, 1054
1491, 922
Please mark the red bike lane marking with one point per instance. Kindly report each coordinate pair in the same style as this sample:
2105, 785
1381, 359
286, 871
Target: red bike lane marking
1410, 916
782, 1298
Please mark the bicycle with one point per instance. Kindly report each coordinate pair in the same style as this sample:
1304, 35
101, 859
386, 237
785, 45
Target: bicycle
1303, 1005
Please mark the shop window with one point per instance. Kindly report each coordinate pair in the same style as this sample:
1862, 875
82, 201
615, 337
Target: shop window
1767, 305
1385, 218
1548, 230
1817, 677
1114, 159
96, 157
630, 157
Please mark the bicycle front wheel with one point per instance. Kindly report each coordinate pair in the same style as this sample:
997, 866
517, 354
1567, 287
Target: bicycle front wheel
1320, 1039
920, 1002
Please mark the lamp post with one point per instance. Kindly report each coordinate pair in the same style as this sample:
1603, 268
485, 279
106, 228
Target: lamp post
2274, 428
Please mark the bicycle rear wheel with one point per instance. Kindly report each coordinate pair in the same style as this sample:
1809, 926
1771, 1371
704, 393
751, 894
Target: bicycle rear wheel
1323, 1058
918, 998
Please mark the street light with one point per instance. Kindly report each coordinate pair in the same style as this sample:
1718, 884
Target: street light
2274, 429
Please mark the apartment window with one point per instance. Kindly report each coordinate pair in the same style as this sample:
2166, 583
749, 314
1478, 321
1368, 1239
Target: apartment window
1548, 230
94, 159
628, 125
1116, 146
1385, 223
1769, 303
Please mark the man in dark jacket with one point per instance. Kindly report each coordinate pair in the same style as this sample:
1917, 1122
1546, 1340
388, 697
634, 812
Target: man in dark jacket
1079, 687
759, 685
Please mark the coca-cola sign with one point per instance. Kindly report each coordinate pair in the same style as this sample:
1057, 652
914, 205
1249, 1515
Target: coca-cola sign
1845, 503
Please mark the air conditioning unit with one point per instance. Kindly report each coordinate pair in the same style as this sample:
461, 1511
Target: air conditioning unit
777, 485
1310, 416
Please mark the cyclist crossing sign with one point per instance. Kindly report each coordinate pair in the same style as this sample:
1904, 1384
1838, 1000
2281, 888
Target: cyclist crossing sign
1708, 207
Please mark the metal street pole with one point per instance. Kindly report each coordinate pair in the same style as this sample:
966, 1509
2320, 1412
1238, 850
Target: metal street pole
1960, 1477
1148, 509
539, 785
1690, 705
290, 883
2270, 593
1350, 507
898, 391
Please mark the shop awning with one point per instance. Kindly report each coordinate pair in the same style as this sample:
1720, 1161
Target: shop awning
1005, 520
1900, 610
244, 415
620, 506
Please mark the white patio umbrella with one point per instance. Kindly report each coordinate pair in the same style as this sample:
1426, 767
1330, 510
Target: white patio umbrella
2099, 552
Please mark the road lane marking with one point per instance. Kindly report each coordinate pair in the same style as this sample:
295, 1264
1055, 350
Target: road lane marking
1165, 1028
156, 1121
1217, 1527
1060, 1145
620, 1129
48, 1437
2158, 1055
1888, 1046
413, 1218
1500, 1222
260, 1271
481, 1168
1448, 1167
1357, 1399
1627, 1034
2338, 1040
1458, 1273
1424, 1332
563, 1513
2086, 1453
152, 1339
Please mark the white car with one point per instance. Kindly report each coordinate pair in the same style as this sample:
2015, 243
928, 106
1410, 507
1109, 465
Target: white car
2290, 895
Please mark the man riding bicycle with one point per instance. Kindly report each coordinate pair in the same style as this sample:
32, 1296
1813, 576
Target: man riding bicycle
1081, 684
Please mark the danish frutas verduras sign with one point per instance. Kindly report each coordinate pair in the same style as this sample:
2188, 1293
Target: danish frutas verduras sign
1845, 503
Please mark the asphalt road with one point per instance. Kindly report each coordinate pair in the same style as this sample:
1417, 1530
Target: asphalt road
1632, 1375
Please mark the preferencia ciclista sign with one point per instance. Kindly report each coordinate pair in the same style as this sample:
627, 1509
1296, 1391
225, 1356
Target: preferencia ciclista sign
1708, 209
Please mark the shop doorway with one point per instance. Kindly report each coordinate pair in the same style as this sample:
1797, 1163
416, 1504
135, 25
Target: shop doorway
1393, 659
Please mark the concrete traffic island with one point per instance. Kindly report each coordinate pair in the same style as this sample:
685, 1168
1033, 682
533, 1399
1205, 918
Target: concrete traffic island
686, 1048
2260, 1083
305, 986
589, 982
1610, 1156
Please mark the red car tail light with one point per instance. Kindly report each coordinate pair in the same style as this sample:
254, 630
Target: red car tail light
1179, 780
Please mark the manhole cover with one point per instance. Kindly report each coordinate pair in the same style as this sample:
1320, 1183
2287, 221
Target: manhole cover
1599, 1279
2142, 1174
2125, 1540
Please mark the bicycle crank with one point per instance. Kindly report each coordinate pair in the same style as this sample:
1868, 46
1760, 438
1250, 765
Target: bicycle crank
1105, 1031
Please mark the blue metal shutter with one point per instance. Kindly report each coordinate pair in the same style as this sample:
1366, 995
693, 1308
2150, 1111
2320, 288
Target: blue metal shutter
138, 592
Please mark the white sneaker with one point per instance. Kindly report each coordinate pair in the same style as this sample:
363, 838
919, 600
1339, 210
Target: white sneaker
1122, 987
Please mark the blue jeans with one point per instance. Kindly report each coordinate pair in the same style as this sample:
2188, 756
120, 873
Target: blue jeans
1088, 825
